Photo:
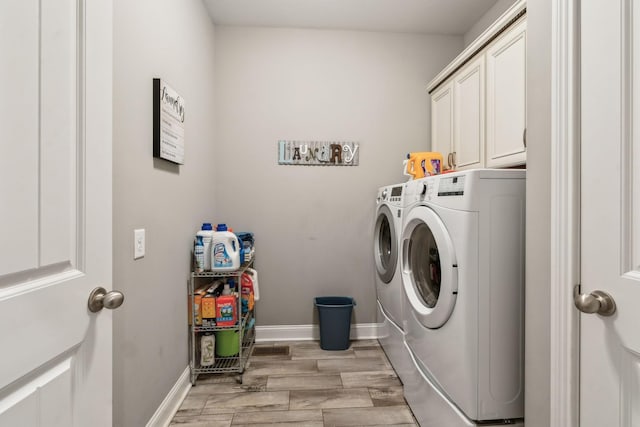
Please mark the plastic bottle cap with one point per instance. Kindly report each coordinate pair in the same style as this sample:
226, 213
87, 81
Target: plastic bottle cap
206, 226
221, 227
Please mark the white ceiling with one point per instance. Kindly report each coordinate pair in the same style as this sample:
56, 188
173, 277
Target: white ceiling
454, 17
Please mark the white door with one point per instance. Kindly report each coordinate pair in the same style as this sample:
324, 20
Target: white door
55, 212
610, 211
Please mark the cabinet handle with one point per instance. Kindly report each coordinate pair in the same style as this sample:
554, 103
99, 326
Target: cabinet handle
524, 137
450, 160
453, 159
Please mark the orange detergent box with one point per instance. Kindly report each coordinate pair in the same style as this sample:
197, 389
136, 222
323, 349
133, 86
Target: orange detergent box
197, 306
226, 310
208, 306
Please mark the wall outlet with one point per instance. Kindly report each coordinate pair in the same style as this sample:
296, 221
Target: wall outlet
138, 243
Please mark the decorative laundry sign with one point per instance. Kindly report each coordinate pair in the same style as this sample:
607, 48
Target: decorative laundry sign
318, 153
168, 123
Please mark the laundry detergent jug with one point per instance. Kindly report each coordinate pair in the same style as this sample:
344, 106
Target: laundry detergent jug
249, 289
421, 164
253, 275
225, 250
205, 234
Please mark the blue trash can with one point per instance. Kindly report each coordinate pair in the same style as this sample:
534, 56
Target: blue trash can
335, 321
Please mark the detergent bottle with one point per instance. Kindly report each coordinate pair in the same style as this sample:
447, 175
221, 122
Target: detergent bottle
253, 274
207, 346
225, 250
199, 254
206, 233
421, 164
246, 292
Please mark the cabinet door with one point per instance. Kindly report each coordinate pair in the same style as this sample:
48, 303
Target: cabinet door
506, 99
442, 122
469, 115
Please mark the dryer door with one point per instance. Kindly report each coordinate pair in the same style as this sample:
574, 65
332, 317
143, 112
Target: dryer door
429, 267
385, 244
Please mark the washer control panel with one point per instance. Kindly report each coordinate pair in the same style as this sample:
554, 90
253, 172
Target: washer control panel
451, 186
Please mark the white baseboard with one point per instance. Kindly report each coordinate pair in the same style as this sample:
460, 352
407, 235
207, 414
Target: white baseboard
361, 331
169, 406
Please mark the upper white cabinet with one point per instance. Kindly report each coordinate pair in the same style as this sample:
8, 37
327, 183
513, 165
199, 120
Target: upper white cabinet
468, 115
442, 123
506, 100
478, 102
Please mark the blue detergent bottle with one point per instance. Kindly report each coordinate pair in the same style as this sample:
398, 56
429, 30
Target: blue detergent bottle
225, 250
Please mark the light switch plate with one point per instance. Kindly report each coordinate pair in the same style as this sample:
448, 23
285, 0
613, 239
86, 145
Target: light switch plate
138, 243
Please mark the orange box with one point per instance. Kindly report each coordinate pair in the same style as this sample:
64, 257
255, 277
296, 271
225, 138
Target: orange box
208, 306
197, 302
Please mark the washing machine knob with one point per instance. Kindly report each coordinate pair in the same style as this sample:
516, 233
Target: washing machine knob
384, 194
424, 190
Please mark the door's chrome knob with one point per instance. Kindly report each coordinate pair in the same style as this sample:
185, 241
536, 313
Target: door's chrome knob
596, 302
100, 298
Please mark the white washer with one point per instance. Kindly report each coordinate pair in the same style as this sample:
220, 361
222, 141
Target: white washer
462, 265
386, 237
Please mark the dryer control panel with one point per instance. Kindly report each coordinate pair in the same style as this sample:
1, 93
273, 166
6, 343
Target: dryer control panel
393, 195
396, 194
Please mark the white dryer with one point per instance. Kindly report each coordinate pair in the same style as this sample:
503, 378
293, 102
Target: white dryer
463, 289
386, 250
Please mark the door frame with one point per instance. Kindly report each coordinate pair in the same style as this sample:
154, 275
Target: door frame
564, 387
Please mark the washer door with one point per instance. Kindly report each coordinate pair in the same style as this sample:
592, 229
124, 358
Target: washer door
429, 267
385, 246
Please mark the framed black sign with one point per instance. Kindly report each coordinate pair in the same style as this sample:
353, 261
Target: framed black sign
168, 123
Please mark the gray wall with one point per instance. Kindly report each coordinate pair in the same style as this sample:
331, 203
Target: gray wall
537, 345
487, 19
313, 225
173, 40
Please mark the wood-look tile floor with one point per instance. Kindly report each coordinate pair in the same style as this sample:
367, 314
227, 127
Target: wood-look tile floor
308, 387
